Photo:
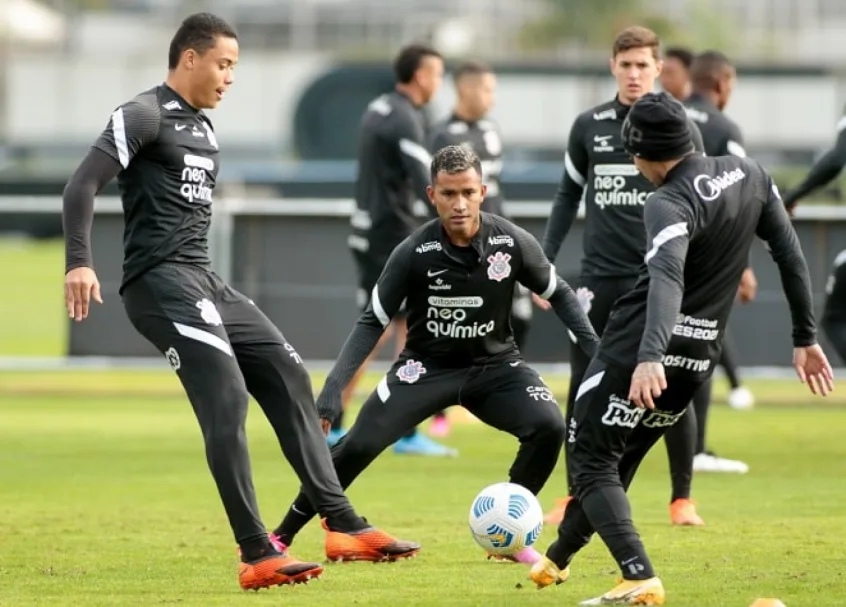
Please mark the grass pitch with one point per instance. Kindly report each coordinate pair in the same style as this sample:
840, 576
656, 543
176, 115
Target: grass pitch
105, 499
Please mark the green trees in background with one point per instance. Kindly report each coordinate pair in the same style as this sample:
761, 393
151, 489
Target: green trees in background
590, 25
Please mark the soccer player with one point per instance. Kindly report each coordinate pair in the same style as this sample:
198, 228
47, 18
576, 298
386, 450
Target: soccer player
825, 170
713, 77
475, 85
598, 169
675, 75
457, 274
162, 148
393, 173
700, 224
675, 79
834, 311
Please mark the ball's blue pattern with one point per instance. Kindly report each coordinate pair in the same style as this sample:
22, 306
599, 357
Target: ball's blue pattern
533, 535
518, 505
483, 504
499, 537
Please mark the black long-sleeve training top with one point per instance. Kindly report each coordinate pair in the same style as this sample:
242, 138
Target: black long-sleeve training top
457, 301
597, 167
393, 173
164, 154
700, 225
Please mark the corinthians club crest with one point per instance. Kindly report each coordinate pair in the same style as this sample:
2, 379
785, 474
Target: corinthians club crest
499, 268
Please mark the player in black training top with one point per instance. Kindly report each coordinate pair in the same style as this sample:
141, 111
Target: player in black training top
599, 170
393, 172
663, 338
475, 86
456, 274
825, 170
713, 79
834, 311
162, 148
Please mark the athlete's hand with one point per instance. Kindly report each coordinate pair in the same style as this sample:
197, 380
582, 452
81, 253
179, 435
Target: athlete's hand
81, 286
541, 302
648, 381
325, 425
813, 369
748, 287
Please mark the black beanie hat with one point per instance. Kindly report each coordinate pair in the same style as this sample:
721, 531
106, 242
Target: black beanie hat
657, 128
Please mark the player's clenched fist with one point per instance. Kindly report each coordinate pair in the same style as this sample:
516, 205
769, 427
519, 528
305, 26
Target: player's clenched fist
81, 286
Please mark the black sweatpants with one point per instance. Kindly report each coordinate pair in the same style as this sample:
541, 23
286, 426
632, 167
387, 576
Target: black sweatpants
597, 296
606, 443
223, 348
508, 396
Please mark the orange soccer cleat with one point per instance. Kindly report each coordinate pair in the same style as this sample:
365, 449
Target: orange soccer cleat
276, 569
683, 512
370, 544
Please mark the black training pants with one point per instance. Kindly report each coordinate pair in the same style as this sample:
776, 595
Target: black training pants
606, 443
223, 348
597, 296
508, 396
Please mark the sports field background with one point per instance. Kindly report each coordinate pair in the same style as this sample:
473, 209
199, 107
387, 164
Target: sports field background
105, 498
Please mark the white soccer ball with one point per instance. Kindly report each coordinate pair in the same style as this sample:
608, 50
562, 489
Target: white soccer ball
505, 518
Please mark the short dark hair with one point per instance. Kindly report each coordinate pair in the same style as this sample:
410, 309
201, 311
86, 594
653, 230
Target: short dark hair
470, 68
199, 32
708, 68
636, 36
683, 54
454, 159
408, 61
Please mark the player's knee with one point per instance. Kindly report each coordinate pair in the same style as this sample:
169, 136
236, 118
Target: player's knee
360, 443
224, 416
550, 428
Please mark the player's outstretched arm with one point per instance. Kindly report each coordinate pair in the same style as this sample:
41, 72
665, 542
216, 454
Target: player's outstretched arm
667, 224
775, 229
565, 207
385, 301
538, 275
823, 171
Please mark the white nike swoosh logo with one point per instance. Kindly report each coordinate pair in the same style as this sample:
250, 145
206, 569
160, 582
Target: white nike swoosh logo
179, 127
603, 139
515, 363
430, 274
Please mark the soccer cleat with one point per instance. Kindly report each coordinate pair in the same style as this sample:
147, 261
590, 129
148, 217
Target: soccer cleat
708, 462
422, 445
334, 436
556, 515
632, 592
683, 512
529, 556
370, 544
741, 398
439, 427
545, 573
276, 569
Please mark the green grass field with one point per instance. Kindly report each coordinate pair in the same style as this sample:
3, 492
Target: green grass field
105, 498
